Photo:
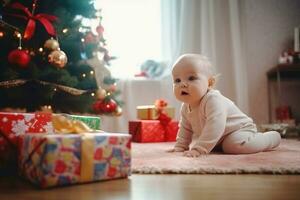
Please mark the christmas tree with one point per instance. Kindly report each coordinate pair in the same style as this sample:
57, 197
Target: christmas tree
50, 58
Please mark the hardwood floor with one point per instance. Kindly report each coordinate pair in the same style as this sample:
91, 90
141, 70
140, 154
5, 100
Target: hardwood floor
156, 187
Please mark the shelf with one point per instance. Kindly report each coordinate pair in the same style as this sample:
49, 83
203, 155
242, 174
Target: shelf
279, 74
286, 72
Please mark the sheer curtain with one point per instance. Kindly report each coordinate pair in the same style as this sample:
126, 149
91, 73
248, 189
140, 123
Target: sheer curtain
212, 28
209, 27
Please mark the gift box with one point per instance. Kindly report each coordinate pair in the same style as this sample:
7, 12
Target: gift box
150, 112
153, 131
12, 125
92, 121
15, 124
283, 113
49, 160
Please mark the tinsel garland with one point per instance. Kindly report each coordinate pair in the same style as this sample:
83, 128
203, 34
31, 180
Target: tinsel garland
18, 82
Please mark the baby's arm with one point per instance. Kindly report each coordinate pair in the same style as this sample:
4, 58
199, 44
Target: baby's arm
184, 135
215, 113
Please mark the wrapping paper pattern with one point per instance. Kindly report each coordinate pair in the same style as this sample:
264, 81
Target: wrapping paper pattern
56, 160
150, 112
15, 124
171, 131
12, 125
152, 131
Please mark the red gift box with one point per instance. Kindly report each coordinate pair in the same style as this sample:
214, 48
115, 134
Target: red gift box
153, 131
14, 124
283, 113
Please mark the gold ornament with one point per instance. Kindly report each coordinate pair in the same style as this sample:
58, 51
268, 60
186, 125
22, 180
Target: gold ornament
100, 94
51, 44
58, 58
118, 111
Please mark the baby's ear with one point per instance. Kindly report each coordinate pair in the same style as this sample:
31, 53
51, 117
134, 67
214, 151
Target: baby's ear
211, 81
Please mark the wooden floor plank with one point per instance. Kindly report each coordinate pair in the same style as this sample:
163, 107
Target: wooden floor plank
156, 187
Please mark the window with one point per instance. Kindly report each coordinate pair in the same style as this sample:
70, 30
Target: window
133, 34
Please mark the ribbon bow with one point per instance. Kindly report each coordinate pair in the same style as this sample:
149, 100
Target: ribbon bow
160, 104
45, 19
63, 125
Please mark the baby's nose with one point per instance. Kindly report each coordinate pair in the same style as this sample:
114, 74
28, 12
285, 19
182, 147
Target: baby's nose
184, 84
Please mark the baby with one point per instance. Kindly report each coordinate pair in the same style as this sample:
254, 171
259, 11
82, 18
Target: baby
210, 118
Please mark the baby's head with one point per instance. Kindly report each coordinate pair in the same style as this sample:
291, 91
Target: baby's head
192, 76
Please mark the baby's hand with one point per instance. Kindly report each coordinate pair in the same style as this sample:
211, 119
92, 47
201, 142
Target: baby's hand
192, 153
176, 149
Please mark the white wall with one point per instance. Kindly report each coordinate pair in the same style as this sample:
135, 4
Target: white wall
268, 30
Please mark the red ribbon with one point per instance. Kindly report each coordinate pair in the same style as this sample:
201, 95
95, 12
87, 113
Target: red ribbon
164, 119
45, 19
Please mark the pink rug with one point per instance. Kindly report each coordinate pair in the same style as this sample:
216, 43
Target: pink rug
152, 158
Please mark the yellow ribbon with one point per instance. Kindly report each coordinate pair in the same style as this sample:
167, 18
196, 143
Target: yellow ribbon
64, 125
87, 158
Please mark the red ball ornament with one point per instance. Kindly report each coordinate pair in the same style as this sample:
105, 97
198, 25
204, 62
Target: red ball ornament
100, 30
105, 107
19, 57
97, 106
90, 38
109, 106
112, 87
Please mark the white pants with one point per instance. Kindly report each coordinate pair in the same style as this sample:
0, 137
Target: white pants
248, 140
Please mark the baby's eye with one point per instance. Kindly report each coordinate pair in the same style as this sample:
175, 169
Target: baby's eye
192, 78
177, 80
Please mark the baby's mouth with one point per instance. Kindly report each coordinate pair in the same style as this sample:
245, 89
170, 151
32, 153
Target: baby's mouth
184, 93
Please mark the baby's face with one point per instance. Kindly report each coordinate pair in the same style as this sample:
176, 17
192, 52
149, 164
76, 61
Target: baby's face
190, 82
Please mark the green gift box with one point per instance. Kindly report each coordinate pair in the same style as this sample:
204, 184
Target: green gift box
92, 121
